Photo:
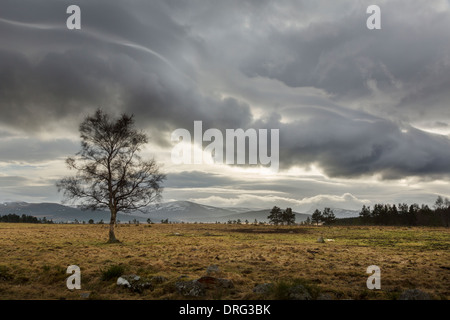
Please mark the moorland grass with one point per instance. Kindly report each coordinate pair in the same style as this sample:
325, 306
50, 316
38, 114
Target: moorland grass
34, 258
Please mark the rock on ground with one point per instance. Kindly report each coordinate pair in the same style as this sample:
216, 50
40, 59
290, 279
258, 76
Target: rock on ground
325, 296
85, 295
198, 287
134, 283
212, 269
216, 283
299, 292
263, 288
158, 279
414, 294
190, 288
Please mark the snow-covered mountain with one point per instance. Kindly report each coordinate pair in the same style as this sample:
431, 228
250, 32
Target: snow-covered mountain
339, 212
175, 211
241, 209
345, 213
187, 211
260, 216
54, 211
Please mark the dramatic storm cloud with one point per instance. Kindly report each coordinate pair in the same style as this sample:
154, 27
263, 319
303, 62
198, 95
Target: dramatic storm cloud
351, 104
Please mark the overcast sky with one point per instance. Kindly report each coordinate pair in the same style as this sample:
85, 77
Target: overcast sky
364, 115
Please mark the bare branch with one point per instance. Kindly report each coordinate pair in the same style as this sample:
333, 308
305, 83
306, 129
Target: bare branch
110, 172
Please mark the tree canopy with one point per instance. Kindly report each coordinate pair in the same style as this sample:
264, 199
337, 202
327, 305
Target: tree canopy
110, 173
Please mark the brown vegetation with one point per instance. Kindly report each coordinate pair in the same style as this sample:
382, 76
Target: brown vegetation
34, 258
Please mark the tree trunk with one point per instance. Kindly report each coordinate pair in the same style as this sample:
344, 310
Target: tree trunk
112, 236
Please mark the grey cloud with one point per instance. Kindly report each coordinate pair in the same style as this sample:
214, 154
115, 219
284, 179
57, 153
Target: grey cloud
35, 150
197, 179
352, 145
20, 188
8, 181
150, 59
30, 193
441, 124
296, 187
407, 60
124, 61
342, 55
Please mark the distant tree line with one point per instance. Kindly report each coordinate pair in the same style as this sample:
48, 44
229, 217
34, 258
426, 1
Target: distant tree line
23, 219
325, 217
278, 217
412, 215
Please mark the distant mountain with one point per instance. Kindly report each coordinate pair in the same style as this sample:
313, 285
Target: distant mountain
345, 213
187, 211
175, 211
340, 213
55, 212
260, 216
241, 210
183, 211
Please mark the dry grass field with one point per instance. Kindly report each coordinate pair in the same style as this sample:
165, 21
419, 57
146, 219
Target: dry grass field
34, 259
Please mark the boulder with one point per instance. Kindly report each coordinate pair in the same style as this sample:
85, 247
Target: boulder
134, 283
298, 292
325, 296
158, 279
263, 288
320, 240
190, 288
215, 283
212, 269
123, 282
414, 294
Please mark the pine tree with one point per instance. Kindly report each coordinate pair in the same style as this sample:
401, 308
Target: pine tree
328, 216
288, 216
275, 216
308, 221
316, 217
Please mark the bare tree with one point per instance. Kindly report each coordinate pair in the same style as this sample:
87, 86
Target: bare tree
110, 174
